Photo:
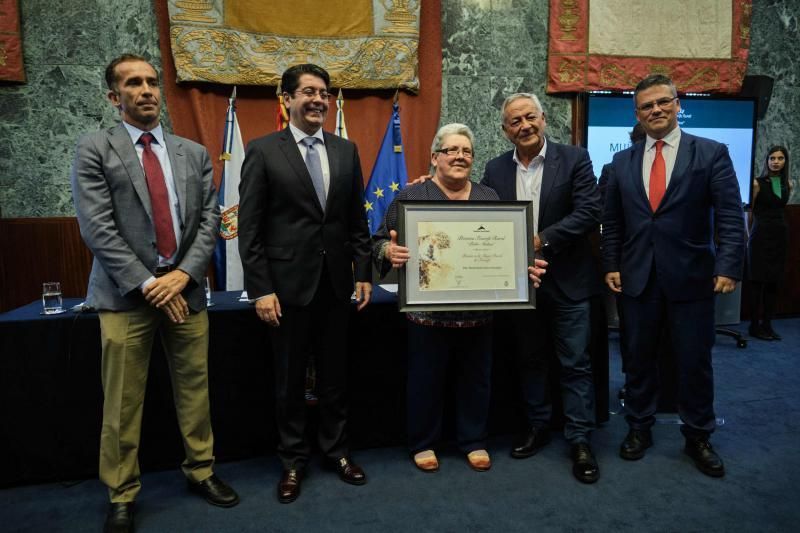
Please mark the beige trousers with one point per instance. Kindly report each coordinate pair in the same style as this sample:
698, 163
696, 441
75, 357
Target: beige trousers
127, 341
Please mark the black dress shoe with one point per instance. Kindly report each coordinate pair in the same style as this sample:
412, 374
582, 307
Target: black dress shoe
635, 443
704, 457
349, 472
530, 443
771, 333
584, 465
119, 518
289, 485
215, 491
758, 332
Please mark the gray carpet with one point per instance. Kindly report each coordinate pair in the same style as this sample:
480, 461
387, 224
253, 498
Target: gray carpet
757, 397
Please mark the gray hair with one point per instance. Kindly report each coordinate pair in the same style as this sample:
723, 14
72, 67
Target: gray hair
518, 96
452, 129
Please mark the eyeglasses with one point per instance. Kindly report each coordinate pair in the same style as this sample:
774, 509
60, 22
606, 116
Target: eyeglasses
308, 92
453, 151
662, 103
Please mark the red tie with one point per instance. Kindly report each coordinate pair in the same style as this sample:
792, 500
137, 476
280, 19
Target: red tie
658, 177
162, 216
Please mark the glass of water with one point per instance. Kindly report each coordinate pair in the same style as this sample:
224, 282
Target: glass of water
207, 285
51, 298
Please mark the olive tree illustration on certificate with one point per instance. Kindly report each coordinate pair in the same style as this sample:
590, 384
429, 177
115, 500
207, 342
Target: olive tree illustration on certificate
466, 255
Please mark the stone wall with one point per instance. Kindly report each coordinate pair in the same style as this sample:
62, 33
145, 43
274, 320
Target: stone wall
66, 46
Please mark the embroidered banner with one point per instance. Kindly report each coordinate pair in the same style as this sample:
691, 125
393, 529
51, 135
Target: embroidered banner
363, 44
11, 67
612, 44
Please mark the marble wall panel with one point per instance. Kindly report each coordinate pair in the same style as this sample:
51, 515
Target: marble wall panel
66, 46
773, 52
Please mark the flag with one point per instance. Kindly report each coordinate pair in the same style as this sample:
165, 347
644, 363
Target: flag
281, 116
388, 174
228, 265
341, 128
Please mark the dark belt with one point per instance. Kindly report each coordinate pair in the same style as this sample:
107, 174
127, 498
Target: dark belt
160, 271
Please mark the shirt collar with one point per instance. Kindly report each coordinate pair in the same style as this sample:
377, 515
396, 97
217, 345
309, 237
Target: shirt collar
135, 133
671, 139
299, 134
542, 154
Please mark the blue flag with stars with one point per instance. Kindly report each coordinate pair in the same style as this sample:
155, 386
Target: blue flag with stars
388, 174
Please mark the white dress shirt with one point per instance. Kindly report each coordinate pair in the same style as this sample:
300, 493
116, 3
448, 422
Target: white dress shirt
529, 182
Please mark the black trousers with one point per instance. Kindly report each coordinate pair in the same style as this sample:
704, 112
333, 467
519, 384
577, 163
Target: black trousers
432, 352
319, 328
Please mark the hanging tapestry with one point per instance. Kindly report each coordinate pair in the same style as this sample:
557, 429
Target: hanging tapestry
11, 68
361, 43
612, 44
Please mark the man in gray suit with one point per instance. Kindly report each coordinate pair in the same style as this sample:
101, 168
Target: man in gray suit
147, 210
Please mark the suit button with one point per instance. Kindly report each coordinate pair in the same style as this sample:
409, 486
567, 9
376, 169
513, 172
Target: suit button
322, 252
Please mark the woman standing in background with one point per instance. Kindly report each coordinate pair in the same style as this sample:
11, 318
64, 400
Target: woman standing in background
768, 241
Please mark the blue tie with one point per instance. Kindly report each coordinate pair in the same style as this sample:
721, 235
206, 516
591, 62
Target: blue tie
315, 168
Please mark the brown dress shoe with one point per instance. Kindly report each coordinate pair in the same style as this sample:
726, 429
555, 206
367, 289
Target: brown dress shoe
349, 472
289, 485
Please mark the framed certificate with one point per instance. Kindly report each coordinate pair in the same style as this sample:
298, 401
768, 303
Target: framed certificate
466, 255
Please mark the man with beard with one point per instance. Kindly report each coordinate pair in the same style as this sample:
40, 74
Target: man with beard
559, 181
303, 236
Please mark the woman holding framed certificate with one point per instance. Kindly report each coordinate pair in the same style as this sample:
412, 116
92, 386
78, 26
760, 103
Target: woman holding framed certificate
442, 340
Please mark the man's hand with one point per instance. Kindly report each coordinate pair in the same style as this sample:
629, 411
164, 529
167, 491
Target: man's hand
176, 309
537, 244
614, 281
420, 179
268, 309
396, 254
536, 271
363, 294
166, 287
724, 285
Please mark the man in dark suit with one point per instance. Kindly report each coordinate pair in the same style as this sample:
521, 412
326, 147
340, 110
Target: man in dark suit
667, 197
559, 181
147, 210
302, 237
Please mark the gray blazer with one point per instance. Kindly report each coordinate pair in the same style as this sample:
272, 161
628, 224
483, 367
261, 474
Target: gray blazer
115, 216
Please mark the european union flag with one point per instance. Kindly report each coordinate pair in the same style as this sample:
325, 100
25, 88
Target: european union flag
389, 173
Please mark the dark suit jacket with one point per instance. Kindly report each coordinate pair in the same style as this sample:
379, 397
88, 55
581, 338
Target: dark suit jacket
285, 238
115, 216
702, 197
569, 208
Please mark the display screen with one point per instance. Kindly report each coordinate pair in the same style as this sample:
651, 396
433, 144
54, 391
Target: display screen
732, 121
